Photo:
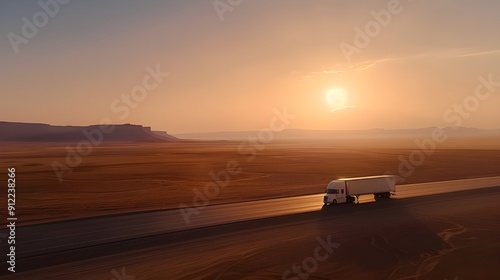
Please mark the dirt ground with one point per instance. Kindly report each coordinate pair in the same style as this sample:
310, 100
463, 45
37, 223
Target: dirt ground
121, 178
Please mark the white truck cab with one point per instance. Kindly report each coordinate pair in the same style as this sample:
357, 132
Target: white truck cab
335, 193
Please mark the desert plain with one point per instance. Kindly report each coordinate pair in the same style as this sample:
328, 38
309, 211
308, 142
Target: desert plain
445, 236
130, 177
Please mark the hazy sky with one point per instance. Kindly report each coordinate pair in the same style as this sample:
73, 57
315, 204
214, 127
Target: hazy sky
229, 74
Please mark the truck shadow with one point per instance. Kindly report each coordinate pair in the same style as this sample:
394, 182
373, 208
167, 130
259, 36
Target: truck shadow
364, 200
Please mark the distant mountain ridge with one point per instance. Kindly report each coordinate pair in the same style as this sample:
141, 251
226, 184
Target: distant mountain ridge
341, 134
37, 132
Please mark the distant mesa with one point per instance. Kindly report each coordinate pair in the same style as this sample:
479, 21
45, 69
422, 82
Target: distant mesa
36, 132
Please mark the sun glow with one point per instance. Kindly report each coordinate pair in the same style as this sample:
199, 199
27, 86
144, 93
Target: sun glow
337, 99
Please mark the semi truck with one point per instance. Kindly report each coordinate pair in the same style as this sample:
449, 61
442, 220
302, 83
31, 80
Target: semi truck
349, 189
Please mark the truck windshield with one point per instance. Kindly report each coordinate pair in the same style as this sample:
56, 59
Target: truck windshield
331, 191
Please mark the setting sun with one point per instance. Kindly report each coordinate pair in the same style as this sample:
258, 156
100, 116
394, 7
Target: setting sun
337, 99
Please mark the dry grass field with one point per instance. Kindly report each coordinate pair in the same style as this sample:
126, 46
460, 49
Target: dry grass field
121, 178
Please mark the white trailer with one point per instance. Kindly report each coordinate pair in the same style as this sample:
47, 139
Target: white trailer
349, 189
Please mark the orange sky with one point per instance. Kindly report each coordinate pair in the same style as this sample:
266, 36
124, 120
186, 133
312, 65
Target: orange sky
229, 75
